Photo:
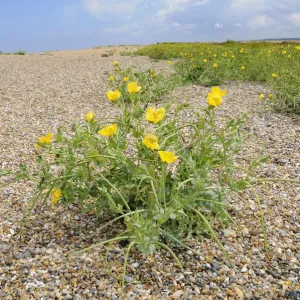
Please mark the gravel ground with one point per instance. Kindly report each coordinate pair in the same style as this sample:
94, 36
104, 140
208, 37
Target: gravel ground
38, 93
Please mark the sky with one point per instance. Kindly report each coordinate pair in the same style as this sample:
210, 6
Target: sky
48, 25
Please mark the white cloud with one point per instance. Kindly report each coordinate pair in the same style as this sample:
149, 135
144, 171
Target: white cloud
173, 6
133, 29
295, 18
261, 21
239, 25
98, 8
183, 26
198, 3
248, 4
219, 26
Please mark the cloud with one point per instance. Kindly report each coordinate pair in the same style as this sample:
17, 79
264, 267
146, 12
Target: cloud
248, 4
183, 26
239, 25
261, 22
295, 18
133, 29
219, 26
98, 8
173, 6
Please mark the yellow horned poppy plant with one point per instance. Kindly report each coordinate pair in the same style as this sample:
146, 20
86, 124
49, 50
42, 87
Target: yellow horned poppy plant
133, 87
155, 115
168, 157
151, 141
215, 97
108, 130
113, 95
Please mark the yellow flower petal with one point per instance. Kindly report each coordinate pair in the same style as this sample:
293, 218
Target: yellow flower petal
133, 87
155, 116
89, 116
56, 195
215, 97
168, 157
108, 130
113, 95
151, 141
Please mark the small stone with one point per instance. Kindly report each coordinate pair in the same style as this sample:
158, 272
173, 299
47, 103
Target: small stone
4, 248
244, 269
224, 269
76, 218
229, 233
128, 278
135, 265
177, 294
239, 292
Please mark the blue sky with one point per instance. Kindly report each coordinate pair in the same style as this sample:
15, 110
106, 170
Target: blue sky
47, 25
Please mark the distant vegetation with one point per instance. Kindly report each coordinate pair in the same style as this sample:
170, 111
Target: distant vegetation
276, 64
20, 52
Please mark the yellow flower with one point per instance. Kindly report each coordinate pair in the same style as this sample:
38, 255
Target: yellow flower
215, 65
133, 88
125, 79
274, 75
283, 52
261, 96
55, 196
151, 141
215, 55
243, 67
269, 51
270, 96
113, 95
215, 97
297, 47
233, 56
115, 63
46, 139
89, 116
108, 130
155, 116
168, 157
111, 78
169, 62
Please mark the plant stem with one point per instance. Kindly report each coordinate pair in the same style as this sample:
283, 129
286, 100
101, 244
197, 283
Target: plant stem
261, 214
118, 192
211, 231
171, 252
125, 266
100, 244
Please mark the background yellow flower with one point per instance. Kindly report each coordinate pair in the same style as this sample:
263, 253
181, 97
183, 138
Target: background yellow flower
89, 116
56, 195
155, 116
151, 141
108, 130
113, 95
168, 157
133, 87
215, 97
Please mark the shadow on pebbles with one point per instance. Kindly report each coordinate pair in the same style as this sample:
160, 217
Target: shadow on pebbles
40, 93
